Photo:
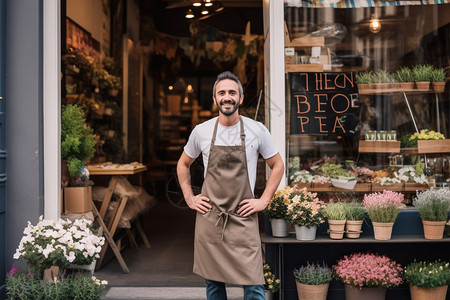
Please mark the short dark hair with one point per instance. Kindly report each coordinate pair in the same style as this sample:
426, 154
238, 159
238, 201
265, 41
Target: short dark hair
231, 76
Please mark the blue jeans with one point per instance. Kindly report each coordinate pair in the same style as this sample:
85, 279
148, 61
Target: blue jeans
215, 290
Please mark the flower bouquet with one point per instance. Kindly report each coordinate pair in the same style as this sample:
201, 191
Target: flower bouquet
272, 284
58, 243
313, 279
383, 208
305, 211
367, 270
433, 206
276, 211
426, 279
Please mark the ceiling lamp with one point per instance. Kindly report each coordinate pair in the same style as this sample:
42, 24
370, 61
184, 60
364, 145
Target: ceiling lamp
205, 11
189, 14
197, 3
375, 25
208, 3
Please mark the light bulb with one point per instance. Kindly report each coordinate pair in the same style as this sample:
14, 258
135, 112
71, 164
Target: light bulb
375, 25
197, 3
208, 3
189, 14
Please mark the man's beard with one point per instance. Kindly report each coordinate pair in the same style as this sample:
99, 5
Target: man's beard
228, 113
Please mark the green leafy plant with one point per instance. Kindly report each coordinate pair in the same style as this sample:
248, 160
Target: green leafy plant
422, 72
277, 207
433, 205
272, 284
313, 274
333, 170
383, 207
354, 211
363, 77
410, 139
438, 75
404, 74
28, 286
381, 76
305, 209
77, 139
427, 274
335, 211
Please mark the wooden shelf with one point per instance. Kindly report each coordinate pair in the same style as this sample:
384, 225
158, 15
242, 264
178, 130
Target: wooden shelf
367, 187
394, 91
433, 146
306, 42
379, 146
292, 68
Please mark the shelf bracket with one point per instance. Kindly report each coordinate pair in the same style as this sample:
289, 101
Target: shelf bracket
410, 112
437, 113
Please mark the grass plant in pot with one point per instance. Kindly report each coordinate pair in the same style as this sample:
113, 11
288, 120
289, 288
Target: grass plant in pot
367, 275
77, 145
335, 214
433, 206
271, 283
305, 212
276, 211
422, 76
355, 214
404, 79
438, 80
383, 208
428, 280
312, 281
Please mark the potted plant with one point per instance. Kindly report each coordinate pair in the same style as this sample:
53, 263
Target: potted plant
404, 78
383, 208
276, 211
301, 179
365, 274
305, 211
422, 76
335, 214
438, 80
428, 280
58, 243
433, 206
78, 195
272, 284
355, 213
312, 281
26, 285
363, 80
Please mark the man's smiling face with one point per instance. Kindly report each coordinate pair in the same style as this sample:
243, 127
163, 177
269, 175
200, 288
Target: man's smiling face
227, 97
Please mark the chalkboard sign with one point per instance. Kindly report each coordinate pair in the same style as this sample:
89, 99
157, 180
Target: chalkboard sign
324, 103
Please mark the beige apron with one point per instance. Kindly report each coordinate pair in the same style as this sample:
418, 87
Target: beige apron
227, 247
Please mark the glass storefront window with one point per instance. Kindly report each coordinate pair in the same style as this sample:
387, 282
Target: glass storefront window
350, 41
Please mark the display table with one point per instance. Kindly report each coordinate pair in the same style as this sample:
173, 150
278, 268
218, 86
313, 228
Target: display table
114, 170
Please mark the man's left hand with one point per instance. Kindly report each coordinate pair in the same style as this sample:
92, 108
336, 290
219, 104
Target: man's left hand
250, 206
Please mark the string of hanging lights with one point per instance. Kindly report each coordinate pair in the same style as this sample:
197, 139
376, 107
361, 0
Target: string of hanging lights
203, 8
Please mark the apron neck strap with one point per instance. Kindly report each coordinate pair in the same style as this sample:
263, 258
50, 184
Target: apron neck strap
213, 140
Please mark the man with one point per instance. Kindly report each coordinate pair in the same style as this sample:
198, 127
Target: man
227, 246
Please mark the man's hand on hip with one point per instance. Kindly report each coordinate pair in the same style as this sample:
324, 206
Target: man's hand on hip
199, 203
250, 206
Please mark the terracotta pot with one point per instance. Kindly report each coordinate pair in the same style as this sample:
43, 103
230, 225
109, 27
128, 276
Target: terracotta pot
382, 231
280, 227
303, 233
352, 293
353, 229
420, 293
312, 292
438, 87
433, 230
423, 85
407, 86
337, 229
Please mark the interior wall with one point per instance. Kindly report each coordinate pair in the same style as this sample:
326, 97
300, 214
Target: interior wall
87, 14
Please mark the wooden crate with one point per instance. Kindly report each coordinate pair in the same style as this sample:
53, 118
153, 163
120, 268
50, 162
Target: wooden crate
433, 146
396, 187
379, 146
413, 186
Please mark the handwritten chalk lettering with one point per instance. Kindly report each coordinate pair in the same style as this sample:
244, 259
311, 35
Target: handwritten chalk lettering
324, 103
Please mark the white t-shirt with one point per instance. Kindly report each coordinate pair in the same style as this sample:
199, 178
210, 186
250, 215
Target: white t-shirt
257, 141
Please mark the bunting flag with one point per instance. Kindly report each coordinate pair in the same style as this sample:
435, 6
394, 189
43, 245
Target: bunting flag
360, 3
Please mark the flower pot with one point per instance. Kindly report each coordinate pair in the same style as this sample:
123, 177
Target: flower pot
438, 87
280, 227
423, 85
382, 231
90, 267
353, 229
77, 199
269, 295
420, 293
353, 293
312, 292
406, 86
303, 233
433, 230
336, 229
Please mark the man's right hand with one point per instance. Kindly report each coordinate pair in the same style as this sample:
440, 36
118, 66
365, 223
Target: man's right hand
199, 203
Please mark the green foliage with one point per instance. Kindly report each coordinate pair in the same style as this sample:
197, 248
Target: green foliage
333, 170
26, 286
427, 274
77, 139
383, 215
354, 211
363, 77
404, 74
422, 72
313, 274
271, 284
335, 211
433, 205
438, 75
381, 76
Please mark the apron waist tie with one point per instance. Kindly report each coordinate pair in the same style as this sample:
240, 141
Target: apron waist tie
224, 215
